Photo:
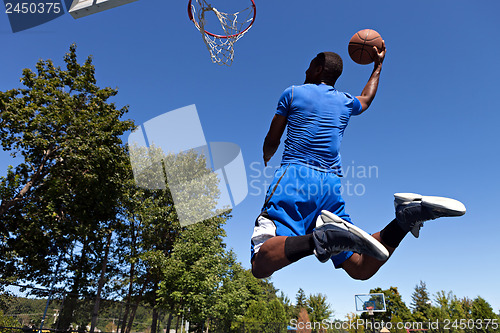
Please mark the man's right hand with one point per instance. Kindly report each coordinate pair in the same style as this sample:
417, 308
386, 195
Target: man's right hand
379, 59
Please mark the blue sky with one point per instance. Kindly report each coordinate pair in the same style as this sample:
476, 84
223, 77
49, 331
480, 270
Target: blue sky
431, 129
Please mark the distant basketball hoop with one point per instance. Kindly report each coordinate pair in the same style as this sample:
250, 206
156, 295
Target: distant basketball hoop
370, 303
369, 309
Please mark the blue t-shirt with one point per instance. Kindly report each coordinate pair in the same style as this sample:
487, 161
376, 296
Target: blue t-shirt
317, 115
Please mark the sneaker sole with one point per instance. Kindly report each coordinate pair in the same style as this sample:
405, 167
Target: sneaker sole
450, 207
376, 246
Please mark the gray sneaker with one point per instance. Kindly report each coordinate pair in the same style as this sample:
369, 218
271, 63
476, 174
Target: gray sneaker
412, 210
334, 235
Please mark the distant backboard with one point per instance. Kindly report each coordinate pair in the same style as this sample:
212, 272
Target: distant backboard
81, 8
374, 302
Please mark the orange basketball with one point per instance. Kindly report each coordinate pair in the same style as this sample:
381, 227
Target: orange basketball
361, 46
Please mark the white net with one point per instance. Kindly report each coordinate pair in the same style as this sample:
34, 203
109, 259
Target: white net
232, 27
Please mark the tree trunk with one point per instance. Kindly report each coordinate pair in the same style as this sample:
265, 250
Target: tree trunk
169, 322
136, 305
67, 312
95, 312
177, 325
154, 323
131, 280
129, 298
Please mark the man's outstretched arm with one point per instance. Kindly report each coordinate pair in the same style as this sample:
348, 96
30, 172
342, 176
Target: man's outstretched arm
273, 137
368, 93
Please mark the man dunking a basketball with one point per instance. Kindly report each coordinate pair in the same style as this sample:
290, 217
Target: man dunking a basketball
304, 213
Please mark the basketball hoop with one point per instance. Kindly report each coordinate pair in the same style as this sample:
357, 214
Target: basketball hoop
233, 27
369, 309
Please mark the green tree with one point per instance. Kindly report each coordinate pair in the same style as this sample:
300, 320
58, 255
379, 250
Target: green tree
197, 271
353, 318
148, 229
5, 300
442, 311
63, 197
197, 274
258, 289
200, 280
276, 316
287, 304
73, 198
266, 317
263, 292
6, 321
318, 308
395, 306
300, 301
481, 309
420, 303
253, 320
450, 309
455, 311
268, 290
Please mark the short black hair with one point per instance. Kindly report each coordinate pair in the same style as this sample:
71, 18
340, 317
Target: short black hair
332, 66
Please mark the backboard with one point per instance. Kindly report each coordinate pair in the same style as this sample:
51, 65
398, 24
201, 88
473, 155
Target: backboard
374, 302
81, 8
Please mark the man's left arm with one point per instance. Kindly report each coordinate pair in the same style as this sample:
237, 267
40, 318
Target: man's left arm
273, 137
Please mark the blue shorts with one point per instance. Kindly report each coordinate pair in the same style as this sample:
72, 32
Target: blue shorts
294, 200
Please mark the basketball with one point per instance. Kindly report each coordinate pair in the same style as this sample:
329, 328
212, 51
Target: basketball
361, 46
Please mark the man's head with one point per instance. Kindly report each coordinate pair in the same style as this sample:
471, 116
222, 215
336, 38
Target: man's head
326, 67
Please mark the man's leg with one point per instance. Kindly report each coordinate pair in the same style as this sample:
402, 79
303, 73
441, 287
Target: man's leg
282, 233
280, 251
362, 266
270, 258
411, 211
331, 236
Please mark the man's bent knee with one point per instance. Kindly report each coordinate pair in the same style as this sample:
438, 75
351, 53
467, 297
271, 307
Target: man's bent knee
258, 270
360, 275
355, 269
